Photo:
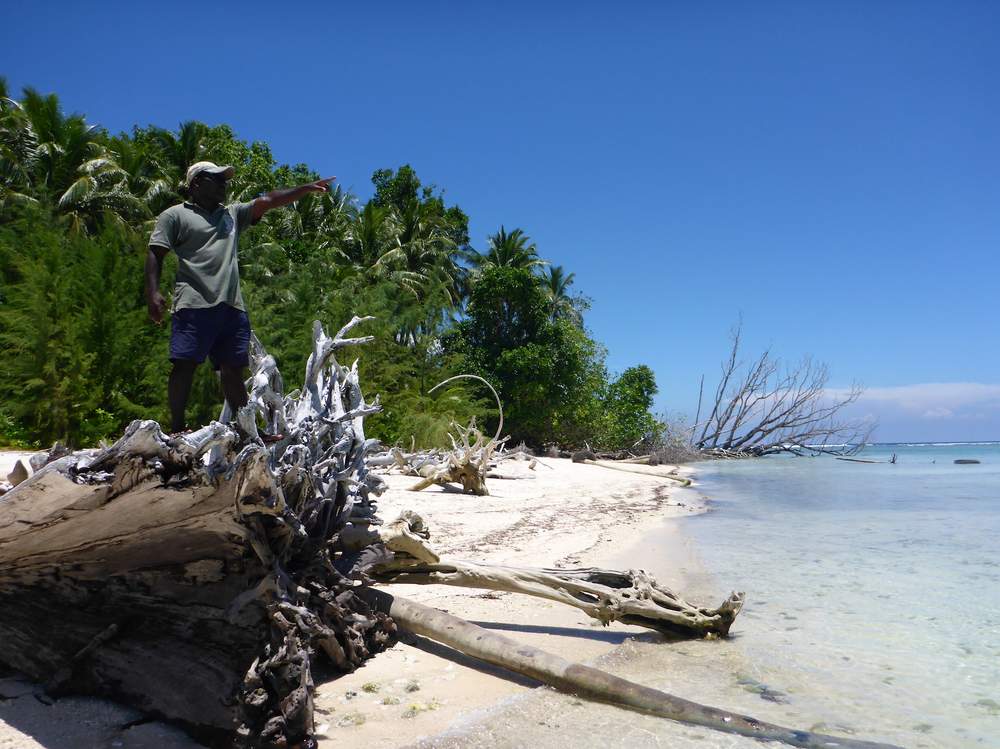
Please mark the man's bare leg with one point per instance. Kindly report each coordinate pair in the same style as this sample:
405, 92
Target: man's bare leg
178, 391
233, 387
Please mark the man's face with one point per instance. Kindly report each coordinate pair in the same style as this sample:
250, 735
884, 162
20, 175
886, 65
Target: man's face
210, 188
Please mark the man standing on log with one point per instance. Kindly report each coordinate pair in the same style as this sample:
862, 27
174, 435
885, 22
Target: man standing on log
207, 315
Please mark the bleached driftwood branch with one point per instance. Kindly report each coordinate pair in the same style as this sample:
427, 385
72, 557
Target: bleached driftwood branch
631, 597
671, 476
466, 464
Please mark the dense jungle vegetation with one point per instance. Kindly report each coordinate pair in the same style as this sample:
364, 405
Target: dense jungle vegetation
80, 357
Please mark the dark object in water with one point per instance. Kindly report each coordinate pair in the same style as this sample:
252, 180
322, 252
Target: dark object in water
858, 460
966, 462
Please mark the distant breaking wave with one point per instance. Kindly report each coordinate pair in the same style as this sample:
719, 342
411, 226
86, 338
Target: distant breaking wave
897, 444
934, 444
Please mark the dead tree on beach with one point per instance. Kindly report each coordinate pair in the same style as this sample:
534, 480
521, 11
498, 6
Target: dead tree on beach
765, 406
203, 577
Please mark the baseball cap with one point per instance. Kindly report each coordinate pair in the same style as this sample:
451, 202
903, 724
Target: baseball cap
207, 166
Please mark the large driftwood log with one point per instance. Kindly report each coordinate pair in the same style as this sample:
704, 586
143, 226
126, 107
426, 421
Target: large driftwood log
631, 597
491, 647
133, 565
196, 576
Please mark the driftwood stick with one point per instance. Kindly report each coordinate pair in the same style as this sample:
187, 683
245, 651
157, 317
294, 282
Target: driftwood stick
603, 464
642, 460
475, 641
631, 597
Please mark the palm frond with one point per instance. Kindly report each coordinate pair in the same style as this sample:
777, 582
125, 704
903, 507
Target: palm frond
158, 189
78, 192
16, 198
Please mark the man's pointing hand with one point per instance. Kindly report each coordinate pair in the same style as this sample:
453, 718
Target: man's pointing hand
320, 185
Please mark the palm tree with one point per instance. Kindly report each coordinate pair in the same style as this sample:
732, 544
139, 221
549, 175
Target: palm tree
423, 257
18, 150
64, 142
513, 250
139, 159
371, 232
101, 189
556, 284
321, 219
72, 166
179, 151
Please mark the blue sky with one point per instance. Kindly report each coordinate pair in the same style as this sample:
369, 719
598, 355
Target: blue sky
828, 171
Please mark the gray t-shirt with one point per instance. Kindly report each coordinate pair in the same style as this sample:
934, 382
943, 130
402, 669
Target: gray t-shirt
206, 243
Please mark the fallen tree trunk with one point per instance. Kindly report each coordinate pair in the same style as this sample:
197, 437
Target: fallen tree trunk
475, 641
631, 597
94, 577
196, 577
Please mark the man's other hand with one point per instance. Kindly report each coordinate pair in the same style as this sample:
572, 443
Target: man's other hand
157, 305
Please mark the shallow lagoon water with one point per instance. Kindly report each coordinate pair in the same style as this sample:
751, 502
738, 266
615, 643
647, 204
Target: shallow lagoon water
873, 609
873, 589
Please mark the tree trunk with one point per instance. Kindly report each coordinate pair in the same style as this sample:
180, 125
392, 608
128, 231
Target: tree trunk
475, 641
130, 593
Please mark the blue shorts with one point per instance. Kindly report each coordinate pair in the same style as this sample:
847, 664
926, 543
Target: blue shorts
221, 332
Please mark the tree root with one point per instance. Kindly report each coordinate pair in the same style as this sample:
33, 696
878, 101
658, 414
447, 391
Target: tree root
467, 464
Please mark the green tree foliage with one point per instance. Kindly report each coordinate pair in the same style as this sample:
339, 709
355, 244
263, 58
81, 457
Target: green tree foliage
548, 372
75, 365
626, 413
254, 163
397, 189
81, 358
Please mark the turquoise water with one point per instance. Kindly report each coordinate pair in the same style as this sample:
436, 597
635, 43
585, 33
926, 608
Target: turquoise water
873, 590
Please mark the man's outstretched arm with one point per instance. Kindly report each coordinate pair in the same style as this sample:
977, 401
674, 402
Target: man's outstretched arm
279, 198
